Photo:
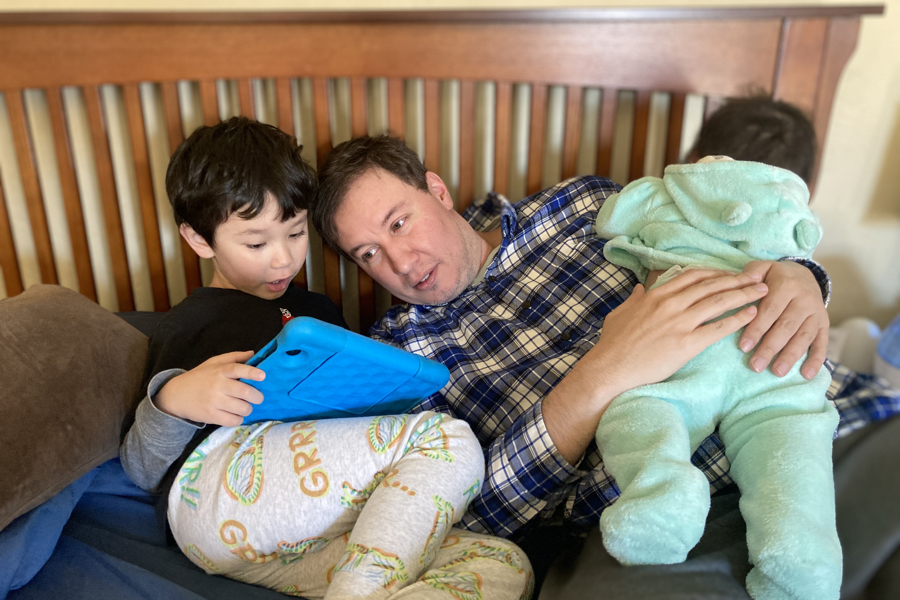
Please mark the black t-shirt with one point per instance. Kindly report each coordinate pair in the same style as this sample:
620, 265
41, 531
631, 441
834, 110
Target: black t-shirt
214, 321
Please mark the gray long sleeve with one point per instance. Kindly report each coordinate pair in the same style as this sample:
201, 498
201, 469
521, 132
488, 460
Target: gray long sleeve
156, 439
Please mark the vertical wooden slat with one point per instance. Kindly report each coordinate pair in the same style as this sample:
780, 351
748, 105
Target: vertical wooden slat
839, 45
208, 95
673, 134
502, 132
433, 126
175, 131
609, 104
245, 96
800, 62
11, 275
572, 134
466, 145
332, 262
36, 214
147, 202
358, 114
285, 106
71, 197
396, 108
109, 199
639, 134
536, 137
285, 114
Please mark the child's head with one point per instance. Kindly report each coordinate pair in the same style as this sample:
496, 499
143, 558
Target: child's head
239, 191
762, 130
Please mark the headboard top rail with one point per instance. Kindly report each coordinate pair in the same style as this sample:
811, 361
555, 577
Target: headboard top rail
449, 16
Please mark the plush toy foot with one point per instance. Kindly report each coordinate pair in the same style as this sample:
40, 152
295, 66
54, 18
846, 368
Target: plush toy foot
780, 577
638, 532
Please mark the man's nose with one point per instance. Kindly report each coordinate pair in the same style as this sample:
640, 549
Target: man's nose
402, 259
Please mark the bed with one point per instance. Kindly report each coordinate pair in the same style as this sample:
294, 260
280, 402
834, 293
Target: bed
91, 105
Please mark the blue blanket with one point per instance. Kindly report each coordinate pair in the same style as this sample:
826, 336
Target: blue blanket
99, 539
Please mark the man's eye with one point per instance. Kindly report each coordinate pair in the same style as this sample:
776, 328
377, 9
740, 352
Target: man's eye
368, 254
398, 224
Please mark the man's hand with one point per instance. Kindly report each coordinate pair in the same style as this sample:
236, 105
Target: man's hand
211, 393
645, 340
791, 320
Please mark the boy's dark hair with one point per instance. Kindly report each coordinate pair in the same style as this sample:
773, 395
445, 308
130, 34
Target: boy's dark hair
763, 130
352, 159
230, 167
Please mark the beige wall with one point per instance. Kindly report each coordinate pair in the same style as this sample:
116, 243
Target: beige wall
858, 195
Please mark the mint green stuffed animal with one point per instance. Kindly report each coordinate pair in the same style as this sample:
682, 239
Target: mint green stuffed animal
777, 431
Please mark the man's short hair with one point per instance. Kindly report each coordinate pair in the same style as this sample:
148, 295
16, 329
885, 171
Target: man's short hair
763, 130
352, 159
230, 168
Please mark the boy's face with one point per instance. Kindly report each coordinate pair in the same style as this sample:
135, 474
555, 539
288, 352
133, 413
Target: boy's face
259, 256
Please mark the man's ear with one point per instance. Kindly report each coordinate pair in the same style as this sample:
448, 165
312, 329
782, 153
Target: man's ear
438, 189
196, 241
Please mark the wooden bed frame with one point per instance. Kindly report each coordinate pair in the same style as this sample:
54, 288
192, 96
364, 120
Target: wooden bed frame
797, 54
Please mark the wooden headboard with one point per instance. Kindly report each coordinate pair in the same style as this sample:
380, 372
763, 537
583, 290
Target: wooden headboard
91, 105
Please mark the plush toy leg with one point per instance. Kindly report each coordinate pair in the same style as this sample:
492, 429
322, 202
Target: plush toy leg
781, 461
662, 509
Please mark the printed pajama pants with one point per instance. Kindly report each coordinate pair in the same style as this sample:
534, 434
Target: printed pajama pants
344, 508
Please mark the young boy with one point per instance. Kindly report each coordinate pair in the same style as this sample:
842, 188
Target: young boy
337, 508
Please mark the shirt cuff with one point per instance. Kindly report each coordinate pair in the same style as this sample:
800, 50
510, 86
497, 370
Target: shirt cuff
818, 271
156, 384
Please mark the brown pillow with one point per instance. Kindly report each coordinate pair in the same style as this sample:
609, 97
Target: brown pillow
70, 371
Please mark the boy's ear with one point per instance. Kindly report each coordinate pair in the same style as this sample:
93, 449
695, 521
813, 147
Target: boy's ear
196, 241
438, 189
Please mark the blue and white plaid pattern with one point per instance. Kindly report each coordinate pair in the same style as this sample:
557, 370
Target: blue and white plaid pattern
509, 339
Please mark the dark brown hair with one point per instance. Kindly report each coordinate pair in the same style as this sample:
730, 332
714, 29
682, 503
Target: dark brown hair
231, 167
352, 159
760, 129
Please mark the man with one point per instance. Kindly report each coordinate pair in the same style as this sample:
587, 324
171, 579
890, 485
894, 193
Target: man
512, 300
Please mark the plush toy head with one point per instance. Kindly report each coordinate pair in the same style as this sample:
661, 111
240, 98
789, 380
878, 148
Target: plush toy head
761, 210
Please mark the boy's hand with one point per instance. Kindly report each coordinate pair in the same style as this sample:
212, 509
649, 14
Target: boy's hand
791, 320
211, 393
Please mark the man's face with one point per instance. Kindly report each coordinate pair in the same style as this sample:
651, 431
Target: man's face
410, 241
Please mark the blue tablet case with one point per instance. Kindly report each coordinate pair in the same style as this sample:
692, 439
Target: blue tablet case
316, 370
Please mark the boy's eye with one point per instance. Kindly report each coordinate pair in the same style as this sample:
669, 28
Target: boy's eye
398, 224
256, 246
298, 234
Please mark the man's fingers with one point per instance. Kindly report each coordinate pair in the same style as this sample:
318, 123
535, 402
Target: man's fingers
770, 309
703, 282
795, 348
816, 357
719, 330
777, 338
718, 304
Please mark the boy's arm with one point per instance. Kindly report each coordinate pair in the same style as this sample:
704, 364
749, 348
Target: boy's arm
155, 440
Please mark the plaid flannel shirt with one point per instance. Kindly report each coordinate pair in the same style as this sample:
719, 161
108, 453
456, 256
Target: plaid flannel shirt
510, 338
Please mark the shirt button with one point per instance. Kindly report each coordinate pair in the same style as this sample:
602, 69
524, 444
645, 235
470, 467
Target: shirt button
566, 336
492, 278
526, 305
